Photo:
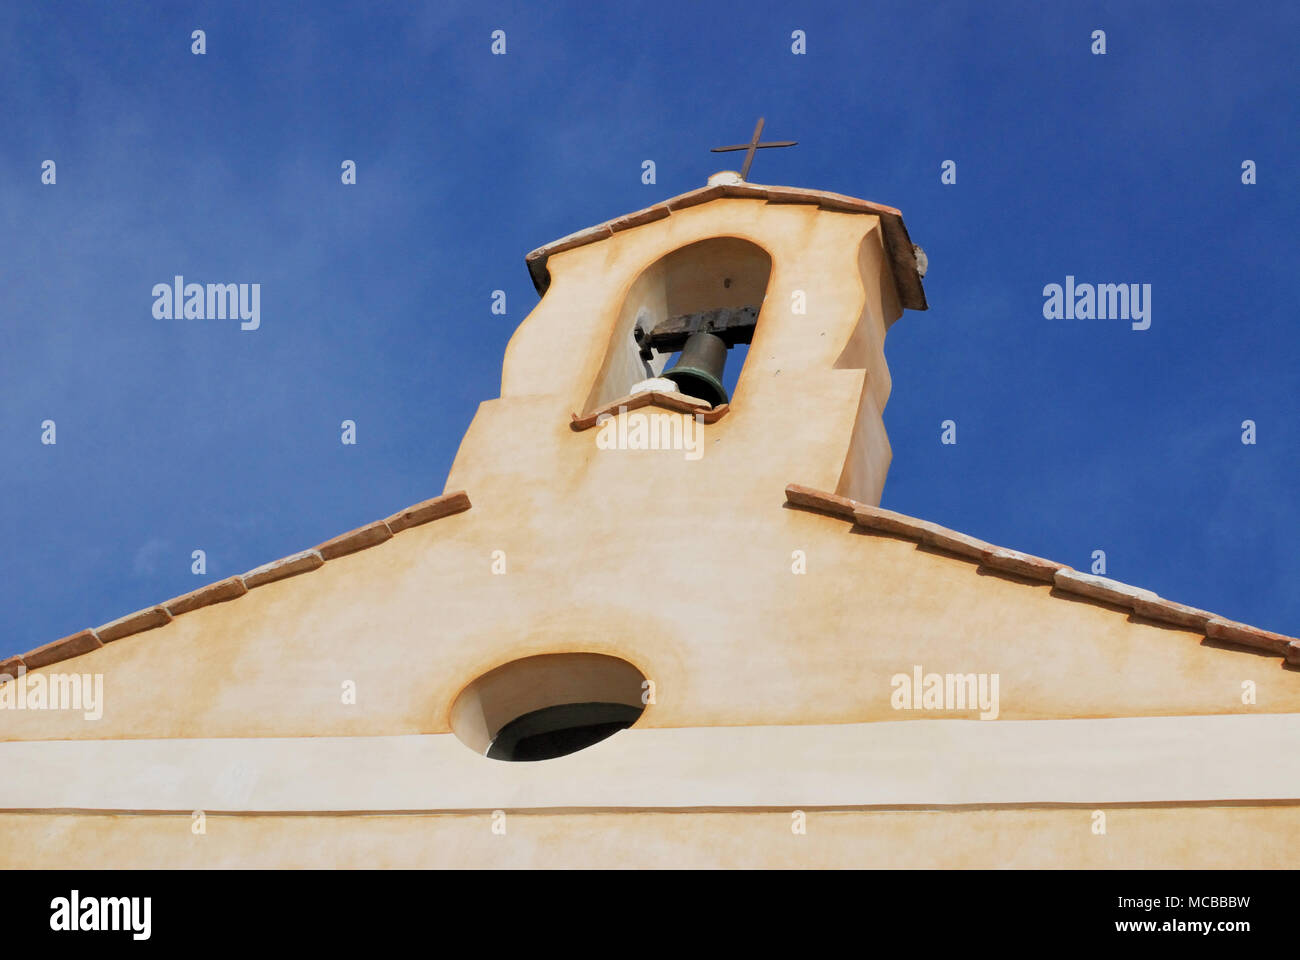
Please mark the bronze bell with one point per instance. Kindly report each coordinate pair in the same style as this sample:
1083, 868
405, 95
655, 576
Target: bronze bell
698, 371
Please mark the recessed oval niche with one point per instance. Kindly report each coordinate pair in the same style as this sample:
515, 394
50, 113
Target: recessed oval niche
547, 706
705, 275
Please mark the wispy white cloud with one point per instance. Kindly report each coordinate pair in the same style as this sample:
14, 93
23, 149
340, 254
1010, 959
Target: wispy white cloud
149, 557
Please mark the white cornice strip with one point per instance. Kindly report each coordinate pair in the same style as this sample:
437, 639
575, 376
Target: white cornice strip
925, 762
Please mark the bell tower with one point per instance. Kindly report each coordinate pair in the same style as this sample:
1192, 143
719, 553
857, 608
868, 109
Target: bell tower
593, 402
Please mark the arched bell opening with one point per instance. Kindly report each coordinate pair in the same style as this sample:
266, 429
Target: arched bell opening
683, 318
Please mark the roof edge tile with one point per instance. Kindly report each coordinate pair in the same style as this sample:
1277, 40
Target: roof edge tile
11, 668
133, 623
1179, 613
73, 645
1100, 588
1023, 564
901, 253
1064, 579
218, 592
364, 536
425, 511
641, 217
887, 521
675, 402
303, 561
232, 588
693, 198
1220, 628
833, 503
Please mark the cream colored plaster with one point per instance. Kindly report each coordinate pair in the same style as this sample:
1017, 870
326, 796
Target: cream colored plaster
1214, 837
934, 762
692, 585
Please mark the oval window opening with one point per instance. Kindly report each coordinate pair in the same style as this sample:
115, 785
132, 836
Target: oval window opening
547, 706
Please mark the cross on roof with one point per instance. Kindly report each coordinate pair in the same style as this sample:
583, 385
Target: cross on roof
752, 146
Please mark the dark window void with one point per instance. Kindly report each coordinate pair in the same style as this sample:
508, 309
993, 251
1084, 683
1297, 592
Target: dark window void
560, 730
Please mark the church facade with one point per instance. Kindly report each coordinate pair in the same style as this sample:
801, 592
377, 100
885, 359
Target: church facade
648, 624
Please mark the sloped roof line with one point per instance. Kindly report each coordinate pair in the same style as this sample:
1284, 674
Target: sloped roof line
230, 588
1143, 603
898, 245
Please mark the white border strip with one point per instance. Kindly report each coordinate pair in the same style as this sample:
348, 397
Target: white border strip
919, 762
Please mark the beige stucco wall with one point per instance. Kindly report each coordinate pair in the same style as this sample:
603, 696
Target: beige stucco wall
1212, 837
728, 635
683, 567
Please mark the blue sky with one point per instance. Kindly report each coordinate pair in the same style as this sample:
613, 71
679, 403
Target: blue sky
1073, 435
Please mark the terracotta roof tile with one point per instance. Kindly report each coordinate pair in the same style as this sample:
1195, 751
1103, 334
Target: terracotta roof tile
930, 534
579, 238
1167, 610
1064, 579
793, 195
744, 190
693, 198
427, 510
9, 667
354, 540
902, 254
1100, 588
1023, 564
816, 500
1233, 632
954, 542
676, 402
290, 566
887, 521
217, 592
65, 649
233, 587
133, 623
648, 215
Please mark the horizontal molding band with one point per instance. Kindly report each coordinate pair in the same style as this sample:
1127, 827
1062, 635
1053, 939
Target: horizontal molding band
933, 763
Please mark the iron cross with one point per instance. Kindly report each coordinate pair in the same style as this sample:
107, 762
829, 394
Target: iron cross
752, 146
